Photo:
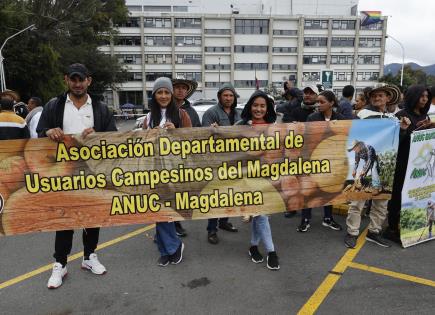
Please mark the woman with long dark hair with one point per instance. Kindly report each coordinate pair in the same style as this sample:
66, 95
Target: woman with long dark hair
417, 103
165, 114
259, 110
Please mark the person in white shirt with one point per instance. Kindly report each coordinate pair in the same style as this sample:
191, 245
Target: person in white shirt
32, 119
71, 113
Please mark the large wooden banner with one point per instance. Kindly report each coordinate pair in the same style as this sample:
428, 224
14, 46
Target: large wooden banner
417, 216
135, 177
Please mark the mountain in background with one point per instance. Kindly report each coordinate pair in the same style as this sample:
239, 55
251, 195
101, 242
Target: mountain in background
394, 68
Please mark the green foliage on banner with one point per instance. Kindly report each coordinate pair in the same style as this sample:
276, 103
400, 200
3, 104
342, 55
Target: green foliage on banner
66, 32
387, 166
413, 218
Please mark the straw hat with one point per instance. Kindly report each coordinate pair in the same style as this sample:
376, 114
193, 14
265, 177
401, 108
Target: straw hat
353, 145
392, 90
191, 85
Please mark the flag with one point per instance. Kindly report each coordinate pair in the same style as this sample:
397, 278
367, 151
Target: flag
370, 17
257, 83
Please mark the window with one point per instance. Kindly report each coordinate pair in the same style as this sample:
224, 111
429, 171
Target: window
252, 26
217, 49
375, 26
367, 76
251, 66
134, 76
128, 41
188, 59
249, 83
187, 40
152, 76
315, 41
213, 31
158, 41
343, 76
187, 23
216, 67
158, 58
284, 49
316, 24
214, 84
343, 42
284, 67
195, 76
251, 49
343, 24
133, 97
341, 59
316, 59
179, 8
134, 8
369, 42
310, 76
157, 8
369, 60
285, 32
131, 22
130, 59
157, 22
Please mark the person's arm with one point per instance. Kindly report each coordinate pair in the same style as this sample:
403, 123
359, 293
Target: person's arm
346, 110
33, 124
44, 122
371, 156
109, 119
185, 119
357, 159
208, 118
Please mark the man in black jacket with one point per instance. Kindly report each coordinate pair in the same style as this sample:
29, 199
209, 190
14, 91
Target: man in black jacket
72, 113
308, 106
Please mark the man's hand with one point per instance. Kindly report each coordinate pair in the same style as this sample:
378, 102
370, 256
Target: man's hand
215, 124
168, 125
404, 123
55, 134
87, 131
353, 174
424, 124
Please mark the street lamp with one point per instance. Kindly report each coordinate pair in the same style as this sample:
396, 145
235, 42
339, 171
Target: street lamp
2, 72
403, 57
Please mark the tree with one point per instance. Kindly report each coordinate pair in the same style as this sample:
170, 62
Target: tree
410, 77
67, 31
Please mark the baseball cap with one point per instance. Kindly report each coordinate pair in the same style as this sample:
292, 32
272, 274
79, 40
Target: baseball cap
77, 69
313, 88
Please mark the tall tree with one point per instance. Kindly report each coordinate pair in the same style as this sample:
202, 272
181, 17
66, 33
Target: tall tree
67, 31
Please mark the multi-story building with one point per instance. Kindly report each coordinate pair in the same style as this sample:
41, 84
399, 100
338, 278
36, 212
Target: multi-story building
247, 43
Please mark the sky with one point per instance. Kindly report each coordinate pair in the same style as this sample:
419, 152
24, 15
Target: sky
412, 23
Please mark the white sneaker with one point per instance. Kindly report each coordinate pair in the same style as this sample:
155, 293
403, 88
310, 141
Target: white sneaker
93, 265
57, 275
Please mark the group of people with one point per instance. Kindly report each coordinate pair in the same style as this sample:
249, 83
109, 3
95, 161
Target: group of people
78, 112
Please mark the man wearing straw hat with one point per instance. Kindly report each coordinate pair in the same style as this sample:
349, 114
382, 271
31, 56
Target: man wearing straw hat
380, 96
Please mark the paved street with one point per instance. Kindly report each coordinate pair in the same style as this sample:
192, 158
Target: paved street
317, 273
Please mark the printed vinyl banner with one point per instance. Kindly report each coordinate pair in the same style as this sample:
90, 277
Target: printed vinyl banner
417, 216
156, 175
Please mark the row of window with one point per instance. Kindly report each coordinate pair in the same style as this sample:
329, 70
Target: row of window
251, 49
341, 59
250, 83
339, 25
341, 76
162, 22
369, 42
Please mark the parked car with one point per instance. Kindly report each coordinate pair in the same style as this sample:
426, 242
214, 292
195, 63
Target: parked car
204, 101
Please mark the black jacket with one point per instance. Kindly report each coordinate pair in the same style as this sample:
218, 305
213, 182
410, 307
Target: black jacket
52, 116
318, 116
194, 118
299, 114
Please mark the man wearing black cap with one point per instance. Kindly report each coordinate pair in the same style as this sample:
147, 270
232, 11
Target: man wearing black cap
71, 113
222, 114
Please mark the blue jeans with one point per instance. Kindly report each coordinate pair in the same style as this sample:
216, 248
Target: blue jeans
327, 213
376, 181
213, 223
261, 232
166, 238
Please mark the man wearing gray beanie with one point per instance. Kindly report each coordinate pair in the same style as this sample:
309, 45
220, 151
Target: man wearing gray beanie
222, 114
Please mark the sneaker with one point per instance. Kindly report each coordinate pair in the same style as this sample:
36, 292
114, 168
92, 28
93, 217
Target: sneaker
163, 261
181, 232
304, 226
350, 240
227, 226
94, 265
376, 238
212, 238
256, 257
177, 257
57, 275
329, 222
272, 261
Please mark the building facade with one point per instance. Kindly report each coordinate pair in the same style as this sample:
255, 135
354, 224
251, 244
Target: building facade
244, 49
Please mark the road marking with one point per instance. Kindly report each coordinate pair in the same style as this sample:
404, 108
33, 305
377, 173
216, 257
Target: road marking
74, 257
331, 279
392, 274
